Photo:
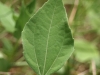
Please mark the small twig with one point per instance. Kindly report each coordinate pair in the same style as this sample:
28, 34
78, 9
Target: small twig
71, 18
93, 67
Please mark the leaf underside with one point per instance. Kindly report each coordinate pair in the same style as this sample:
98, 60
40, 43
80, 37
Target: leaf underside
47, 39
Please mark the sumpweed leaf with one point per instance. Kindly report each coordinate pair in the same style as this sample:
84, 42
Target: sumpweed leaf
47, 39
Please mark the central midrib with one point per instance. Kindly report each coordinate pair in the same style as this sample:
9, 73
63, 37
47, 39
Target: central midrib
48, 39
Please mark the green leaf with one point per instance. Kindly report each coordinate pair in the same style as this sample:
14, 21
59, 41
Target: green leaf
23, 18
8, 48
31, 6
6, 18
85, 51
4, 65
47, 39
25, 13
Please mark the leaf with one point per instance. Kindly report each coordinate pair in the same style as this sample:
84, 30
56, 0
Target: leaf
8, 48
4, 65
6, 18
23, 18
26, 11
47, 39
85, 49
31, 6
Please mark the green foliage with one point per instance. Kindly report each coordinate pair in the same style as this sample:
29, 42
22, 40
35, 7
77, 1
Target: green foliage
86, 32
6, 18
26, 12
23, 18
4, 65
31, 6
8, 48
47, 39
85, 51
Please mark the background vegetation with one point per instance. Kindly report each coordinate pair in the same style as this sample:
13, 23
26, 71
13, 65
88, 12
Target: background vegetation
83, 17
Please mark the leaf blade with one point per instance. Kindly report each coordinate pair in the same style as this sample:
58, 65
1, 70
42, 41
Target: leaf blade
48, 28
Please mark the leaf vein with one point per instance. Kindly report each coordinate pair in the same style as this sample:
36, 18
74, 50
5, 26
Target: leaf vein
48, 39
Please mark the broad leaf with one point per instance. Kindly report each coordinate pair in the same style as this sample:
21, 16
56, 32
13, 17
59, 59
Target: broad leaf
47, 39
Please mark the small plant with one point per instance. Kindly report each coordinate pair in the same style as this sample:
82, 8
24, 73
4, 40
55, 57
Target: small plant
47, 38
